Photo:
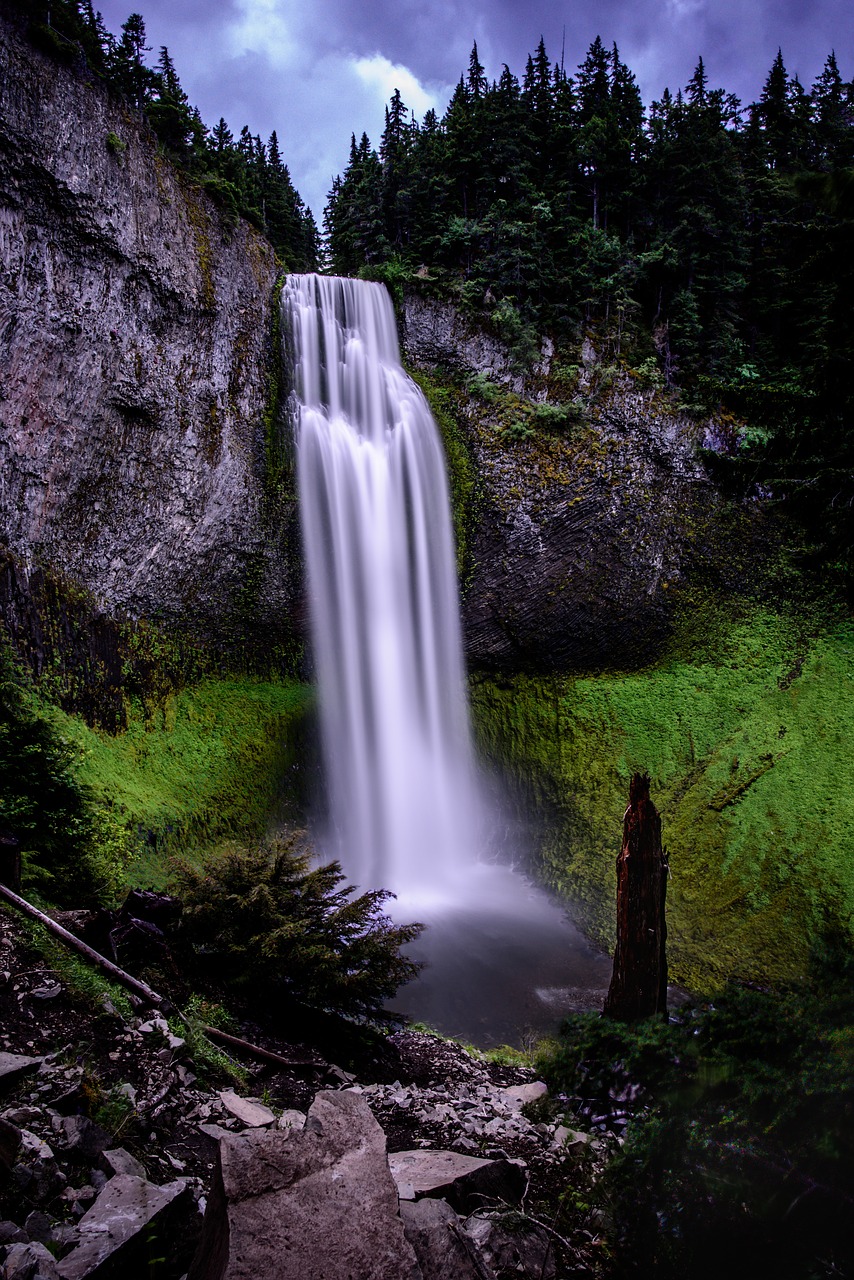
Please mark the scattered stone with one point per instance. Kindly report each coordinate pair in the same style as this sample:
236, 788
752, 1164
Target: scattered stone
10, 1145
519, 1249
466, 1182
34, 1147
27, 1261
80, 1195
566, 1139
120, 1161
82, 1138
286, 1195
214, 1131
441, 1246
47, 993
291, 1119
14, 1065
339, 1075
247, 1110
11, 1233
38, 1226
118, 1225
519, 1095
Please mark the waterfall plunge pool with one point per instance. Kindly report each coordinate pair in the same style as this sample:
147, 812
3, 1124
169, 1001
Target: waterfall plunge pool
503, 964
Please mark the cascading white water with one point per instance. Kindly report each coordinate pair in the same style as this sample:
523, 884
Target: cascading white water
379, 552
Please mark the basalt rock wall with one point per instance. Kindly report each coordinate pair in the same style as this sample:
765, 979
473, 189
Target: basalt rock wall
139, 368
586, 540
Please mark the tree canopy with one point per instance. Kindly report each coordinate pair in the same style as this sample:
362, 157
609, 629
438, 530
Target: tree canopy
714, 238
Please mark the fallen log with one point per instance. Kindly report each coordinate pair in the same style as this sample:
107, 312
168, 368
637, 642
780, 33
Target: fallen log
125, 979
639, 980
234, 1042
141, 989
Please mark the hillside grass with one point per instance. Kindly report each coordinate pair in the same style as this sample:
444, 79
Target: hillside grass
210, 763
748, 744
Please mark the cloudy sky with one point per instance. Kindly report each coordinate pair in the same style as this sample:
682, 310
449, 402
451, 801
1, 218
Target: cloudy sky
318, 70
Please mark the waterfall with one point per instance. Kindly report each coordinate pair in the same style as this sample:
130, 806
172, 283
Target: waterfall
381, 571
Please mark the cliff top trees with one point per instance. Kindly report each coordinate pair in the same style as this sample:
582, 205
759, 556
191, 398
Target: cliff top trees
243, 177
561, 202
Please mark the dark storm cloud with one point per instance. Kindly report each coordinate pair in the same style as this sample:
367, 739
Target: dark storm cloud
318, 71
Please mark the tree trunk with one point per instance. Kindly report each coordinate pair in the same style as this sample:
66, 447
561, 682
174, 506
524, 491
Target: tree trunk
639, 980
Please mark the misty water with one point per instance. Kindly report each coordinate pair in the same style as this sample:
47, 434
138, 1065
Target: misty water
407, 811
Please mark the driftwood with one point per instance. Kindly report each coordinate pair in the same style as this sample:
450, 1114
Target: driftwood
639, 980
140, 989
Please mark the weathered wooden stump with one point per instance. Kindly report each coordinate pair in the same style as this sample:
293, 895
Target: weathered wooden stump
10, 860
639, 979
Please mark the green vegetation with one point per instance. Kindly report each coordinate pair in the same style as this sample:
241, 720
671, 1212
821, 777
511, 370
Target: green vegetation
85, 984
745, 737
272, 929
210, 762
739, 1158
95, 811
462, 476
71, 848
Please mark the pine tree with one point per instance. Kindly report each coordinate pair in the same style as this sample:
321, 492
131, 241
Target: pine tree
127, 67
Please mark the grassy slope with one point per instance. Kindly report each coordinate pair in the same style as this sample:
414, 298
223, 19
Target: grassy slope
749, 750
209, 764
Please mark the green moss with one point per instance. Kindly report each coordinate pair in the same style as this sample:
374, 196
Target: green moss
200, 224
278, 451
462, 474
208, 763
748, 745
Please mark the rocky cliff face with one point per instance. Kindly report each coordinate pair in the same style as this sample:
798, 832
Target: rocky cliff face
142, 457
138, 366
583, 535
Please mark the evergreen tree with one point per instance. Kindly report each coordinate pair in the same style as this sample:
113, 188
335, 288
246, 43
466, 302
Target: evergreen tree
127, 69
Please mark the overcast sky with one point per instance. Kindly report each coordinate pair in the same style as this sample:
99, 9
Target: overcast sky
318, 70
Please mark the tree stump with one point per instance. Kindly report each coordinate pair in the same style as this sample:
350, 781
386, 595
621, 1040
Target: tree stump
10, 860
639, 979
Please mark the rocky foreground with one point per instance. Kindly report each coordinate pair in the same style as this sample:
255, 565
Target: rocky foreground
120, 1154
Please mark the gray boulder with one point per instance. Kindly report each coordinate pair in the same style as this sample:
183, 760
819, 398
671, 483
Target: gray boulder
82, 1139
510, 1245
466, 1182
10, 1145
117, 1160
15, 1065
441, 1245
28, 1262
116, 1233
317, 1204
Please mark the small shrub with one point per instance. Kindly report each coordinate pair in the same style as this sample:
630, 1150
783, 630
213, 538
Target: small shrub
557, 417
115, 144
270, 926
521, 429
482, 388
648, 373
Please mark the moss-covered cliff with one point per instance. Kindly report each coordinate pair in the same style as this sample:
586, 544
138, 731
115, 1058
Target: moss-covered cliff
746, 738
589, 517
